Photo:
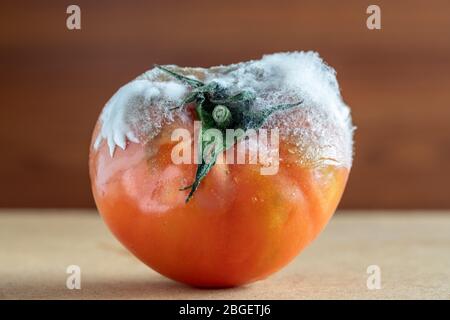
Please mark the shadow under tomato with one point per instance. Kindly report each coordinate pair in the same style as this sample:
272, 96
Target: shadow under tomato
153, 289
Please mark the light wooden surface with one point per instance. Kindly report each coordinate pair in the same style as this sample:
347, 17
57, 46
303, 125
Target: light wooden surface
412, 250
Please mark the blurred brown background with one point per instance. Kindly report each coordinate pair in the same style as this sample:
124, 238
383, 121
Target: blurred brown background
54, 83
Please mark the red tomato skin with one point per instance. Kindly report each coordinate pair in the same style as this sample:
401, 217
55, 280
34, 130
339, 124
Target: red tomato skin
239, 227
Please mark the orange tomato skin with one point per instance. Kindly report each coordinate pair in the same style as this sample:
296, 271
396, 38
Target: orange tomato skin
239, 227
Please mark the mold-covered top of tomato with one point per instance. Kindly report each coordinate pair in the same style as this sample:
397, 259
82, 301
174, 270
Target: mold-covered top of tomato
320, 130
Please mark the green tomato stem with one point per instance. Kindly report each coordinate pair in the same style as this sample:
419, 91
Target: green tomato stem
222, 116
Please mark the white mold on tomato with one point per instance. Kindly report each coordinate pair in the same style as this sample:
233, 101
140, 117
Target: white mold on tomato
320, 129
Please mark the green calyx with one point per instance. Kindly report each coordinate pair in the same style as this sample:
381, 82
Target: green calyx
216, 108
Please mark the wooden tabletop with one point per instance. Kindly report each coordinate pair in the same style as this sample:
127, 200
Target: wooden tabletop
411, 249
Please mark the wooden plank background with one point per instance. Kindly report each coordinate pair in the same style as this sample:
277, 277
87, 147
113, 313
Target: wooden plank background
54, 83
